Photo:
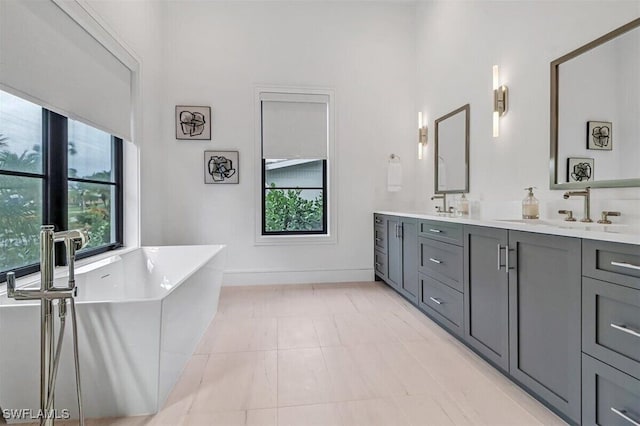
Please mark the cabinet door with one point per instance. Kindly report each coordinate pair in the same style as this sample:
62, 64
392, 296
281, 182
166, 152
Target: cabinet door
394, 252
544, 317
410, 285
486, 293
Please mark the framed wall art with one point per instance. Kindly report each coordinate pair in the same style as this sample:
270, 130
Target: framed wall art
193, 122
221, 167
579, 169
599, 135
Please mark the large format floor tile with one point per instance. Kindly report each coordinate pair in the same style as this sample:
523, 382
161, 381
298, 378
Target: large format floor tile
348, 354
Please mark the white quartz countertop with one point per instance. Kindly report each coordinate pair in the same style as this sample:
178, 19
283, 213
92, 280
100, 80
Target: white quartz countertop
629, 234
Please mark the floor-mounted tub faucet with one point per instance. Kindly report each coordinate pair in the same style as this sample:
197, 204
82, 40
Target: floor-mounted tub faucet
587, 201
49, 360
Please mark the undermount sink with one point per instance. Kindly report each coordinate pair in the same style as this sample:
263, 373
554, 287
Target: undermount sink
593, 226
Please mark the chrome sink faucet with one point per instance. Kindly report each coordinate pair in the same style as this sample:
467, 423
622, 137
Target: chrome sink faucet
443, 197
587, 202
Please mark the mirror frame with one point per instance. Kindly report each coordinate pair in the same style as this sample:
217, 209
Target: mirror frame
467, 109
553, 161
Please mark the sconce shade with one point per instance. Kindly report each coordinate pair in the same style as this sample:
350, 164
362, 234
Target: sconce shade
500, 101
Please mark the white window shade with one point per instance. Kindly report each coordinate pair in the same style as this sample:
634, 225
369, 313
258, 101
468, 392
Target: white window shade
294, 126
48, 57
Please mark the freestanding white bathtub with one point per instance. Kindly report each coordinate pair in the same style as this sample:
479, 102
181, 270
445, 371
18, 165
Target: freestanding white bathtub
140, 317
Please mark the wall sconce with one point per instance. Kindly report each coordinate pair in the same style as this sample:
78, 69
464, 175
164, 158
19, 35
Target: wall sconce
500, 101
422, 135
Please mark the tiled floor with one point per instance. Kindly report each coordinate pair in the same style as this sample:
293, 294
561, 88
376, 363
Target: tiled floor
335, 354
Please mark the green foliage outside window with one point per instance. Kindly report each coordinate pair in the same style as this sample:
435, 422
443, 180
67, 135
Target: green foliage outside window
21, 207
287, 210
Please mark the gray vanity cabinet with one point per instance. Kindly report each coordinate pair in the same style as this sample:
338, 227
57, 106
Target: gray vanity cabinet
544, 317
610, 333
523, 312
409, 286
394, 252
380, 246
486, 293
440, 274
396, 261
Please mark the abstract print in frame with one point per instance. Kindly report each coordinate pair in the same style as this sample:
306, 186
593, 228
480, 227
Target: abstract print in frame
579, 169
193, 122
599, 135
221, 167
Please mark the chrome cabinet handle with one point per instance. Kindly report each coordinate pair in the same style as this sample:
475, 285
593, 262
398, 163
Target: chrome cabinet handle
623, 414
435, 260
435, 230
435, 300
507, 267
378, 220
378, 264
500, 248
625, 329
378, 239
625, 265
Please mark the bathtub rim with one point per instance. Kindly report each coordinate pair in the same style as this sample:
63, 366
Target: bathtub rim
62, 272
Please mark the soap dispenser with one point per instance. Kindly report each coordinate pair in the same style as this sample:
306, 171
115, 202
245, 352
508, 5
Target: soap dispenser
530, 206
463, 206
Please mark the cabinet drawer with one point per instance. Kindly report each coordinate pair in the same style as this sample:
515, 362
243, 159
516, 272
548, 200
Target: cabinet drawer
441, 231
380, 263
443, 302
380, 238
609, 397
442, 261
611, 324
613, 262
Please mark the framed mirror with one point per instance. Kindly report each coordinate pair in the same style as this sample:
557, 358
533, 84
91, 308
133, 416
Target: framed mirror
595, 105
452, 152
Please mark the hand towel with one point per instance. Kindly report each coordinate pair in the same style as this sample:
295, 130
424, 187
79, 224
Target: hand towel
394, 176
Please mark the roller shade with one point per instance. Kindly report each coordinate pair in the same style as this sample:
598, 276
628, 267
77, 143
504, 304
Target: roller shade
294, 126
48, 57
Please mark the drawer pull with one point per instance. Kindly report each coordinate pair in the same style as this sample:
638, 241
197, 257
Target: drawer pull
378, 220
437, 231
625, 329
625, 265
378, 239
433, 299
623, 414
435, 260
378, 264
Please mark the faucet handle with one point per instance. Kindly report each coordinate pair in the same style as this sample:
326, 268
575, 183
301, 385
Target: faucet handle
605, 219
11, 284
569, 214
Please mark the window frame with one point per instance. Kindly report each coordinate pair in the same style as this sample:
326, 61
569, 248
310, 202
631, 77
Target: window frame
322, 231
55, 181
330, 235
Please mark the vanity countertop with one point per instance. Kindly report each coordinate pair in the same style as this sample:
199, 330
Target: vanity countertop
628, 234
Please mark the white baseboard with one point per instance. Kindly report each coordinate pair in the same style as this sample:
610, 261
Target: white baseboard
267, 277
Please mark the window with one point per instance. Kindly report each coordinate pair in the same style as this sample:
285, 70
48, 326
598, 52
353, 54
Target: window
58, 171
294, 142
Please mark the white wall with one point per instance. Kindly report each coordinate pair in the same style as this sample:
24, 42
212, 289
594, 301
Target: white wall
140, 27
458, 42
217, 52
385, 60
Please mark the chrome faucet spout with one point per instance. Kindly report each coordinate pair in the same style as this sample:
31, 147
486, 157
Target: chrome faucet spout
587, 202
442, 197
